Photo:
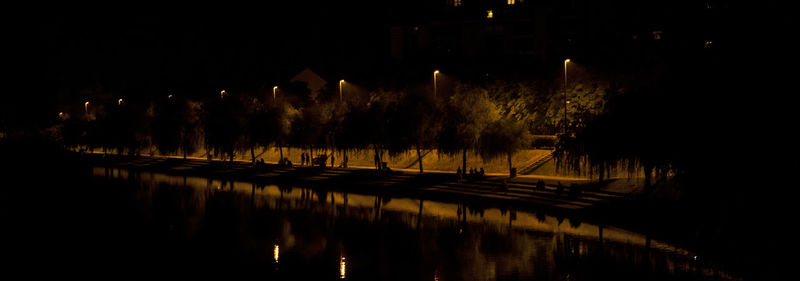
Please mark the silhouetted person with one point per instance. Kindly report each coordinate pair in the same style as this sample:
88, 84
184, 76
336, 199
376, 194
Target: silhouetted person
458, 172
540, 184
482, 173
559, 188
302, 158
333, 160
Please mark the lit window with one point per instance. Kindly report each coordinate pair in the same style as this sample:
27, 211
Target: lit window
511, 2
489, 14
657, 35
457, 3
708, 44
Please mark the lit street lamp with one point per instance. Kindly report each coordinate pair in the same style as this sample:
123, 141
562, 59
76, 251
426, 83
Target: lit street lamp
274, 90
340, 89
221, 94
565, 95
86, 107
119, 102
435, 73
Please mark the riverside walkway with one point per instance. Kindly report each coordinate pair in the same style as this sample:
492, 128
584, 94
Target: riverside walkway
556, 193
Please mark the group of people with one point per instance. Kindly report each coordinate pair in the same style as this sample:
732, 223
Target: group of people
305, 159
473, 173
285, 162
321, 160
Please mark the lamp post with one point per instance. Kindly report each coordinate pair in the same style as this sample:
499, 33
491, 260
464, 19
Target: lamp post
119, 102
340, 89
86, 107
435, 73
565, 95
274, 90
221, 94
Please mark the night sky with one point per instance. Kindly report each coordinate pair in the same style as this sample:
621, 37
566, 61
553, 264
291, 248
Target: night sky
60, 53
141, 52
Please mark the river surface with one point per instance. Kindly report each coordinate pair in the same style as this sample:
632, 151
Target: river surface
276, 232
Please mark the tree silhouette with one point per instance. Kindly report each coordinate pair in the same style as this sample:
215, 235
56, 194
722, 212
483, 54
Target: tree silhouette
504, 137
224, 126
468, 112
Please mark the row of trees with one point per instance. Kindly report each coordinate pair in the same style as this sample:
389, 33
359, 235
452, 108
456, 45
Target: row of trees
491, 121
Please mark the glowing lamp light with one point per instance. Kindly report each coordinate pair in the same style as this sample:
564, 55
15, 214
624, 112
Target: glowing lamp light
341, 268
340, 89
276, 252
119, 101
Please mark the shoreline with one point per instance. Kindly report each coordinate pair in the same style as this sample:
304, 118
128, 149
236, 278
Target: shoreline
522, 191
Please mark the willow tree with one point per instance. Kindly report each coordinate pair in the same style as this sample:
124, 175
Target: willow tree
414, 124
166, 129
467, 113
224, 126
503, 138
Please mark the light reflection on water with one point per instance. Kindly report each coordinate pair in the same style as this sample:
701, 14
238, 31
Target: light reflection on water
453, 241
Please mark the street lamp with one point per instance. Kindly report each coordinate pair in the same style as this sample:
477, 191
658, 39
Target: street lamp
86, 107
566, 61
221, 94
119, 102
435, 73
340, 89
274, 90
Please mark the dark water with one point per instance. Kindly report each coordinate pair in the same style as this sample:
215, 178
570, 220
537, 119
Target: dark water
190, 227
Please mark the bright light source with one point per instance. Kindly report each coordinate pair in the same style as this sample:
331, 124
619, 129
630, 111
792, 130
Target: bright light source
341, 268
435, 72
489, 14
275, 87
276, 252
566, 60
119, 102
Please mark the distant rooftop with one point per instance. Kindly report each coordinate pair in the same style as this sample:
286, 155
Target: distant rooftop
314, 81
